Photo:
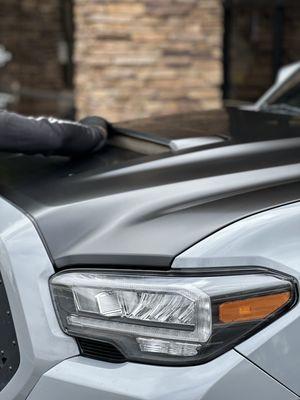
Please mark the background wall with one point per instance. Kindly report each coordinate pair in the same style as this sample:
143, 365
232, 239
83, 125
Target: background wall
263, 35
147, 57
127, 59
251, 51
32, 31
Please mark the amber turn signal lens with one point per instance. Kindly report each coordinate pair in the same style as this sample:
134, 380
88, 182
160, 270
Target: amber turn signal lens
253, 308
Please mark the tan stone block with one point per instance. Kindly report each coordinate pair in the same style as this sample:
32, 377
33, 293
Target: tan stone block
135, 60
132, 9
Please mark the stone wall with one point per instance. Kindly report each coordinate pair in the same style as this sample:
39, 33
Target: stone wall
31, 30
137, 58
251, 51
291, 42
252, 45
148, 57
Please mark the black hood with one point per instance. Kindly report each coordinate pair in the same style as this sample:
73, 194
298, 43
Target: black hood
121, 209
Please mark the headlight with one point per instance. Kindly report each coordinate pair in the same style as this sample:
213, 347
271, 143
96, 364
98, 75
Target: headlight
168, 319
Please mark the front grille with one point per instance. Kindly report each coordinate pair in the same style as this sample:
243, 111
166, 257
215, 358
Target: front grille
9, 349
100, 351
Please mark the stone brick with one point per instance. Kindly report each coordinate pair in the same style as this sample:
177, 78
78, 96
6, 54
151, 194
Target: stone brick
141, 58
31, 30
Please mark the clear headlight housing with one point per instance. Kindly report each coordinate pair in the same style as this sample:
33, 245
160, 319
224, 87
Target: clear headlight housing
168, 319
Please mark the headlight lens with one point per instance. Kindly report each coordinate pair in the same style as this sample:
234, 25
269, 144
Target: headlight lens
167, 319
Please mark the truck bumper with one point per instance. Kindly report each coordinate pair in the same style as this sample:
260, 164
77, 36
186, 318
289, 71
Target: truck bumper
230, 377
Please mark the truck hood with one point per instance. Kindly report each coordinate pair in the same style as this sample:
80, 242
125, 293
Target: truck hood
141, 212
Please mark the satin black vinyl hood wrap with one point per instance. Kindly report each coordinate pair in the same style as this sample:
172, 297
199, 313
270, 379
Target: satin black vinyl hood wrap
144, 211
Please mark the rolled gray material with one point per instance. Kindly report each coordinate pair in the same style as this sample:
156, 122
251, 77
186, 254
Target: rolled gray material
50, 136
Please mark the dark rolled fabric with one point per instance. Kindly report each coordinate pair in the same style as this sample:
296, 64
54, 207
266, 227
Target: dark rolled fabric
50, 136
